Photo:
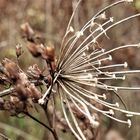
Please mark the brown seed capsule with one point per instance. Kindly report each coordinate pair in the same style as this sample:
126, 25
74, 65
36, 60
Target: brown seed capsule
49, 53
11, 69
27, 30
53, 65
35, 49
20, 106
14, 99
35, 93
19, 50
39, 38
22, 92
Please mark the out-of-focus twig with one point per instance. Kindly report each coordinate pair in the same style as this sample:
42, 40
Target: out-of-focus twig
4, 137
7, 92
16, 131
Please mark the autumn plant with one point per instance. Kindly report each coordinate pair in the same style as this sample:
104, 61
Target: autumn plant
76, 75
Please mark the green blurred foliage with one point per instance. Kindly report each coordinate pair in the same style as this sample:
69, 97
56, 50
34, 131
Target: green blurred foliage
137, 4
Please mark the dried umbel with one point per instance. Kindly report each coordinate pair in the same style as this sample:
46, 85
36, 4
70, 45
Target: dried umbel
76, 76
80, 71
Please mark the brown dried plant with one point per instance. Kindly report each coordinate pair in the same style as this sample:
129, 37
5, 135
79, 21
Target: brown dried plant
76, 76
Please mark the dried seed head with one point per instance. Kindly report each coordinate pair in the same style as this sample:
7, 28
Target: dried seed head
49, 53
35, 49
27, 30
35, 93
23, 94
35, 72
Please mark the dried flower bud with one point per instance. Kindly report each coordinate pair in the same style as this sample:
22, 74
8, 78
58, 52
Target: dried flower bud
22, 92
35, 50
53, 65
39, 38
88, 134
35, 93
27, 30
14, 99
12, 70
49, 53
17, 107
23, 79
35, 72
20, 107
19, 50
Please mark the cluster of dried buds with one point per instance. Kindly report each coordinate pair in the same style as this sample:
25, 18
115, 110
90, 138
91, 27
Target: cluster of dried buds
36, 48
23, 91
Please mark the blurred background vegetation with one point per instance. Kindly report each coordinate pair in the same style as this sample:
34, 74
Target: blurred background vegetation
49, 18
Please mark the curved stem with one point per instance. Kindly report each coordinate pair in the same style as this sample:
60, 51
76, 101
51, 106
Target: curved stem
50, 129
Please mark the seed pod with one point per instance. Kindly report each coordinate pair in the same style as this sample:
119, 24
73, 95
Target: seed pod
11, 69
19, 51
20, 107
35, 93
39, 38
35, 50
14, 99
49, 53
22, 92
35, 72
27, 30
53, 65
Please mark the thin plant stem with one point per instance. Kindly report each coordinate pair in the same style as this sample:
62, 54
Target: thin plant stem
50, 129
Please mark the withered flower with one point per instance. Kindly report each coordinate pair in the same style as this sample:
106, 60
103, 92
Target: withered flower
35, 93
35, 49
27, 31
11, 69
19, 50
49, 53
80, 72
35, 72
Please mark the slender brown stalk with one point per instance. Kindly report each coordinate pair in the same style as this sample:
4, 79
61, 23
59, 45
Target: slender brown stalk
4, 137
51, 124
